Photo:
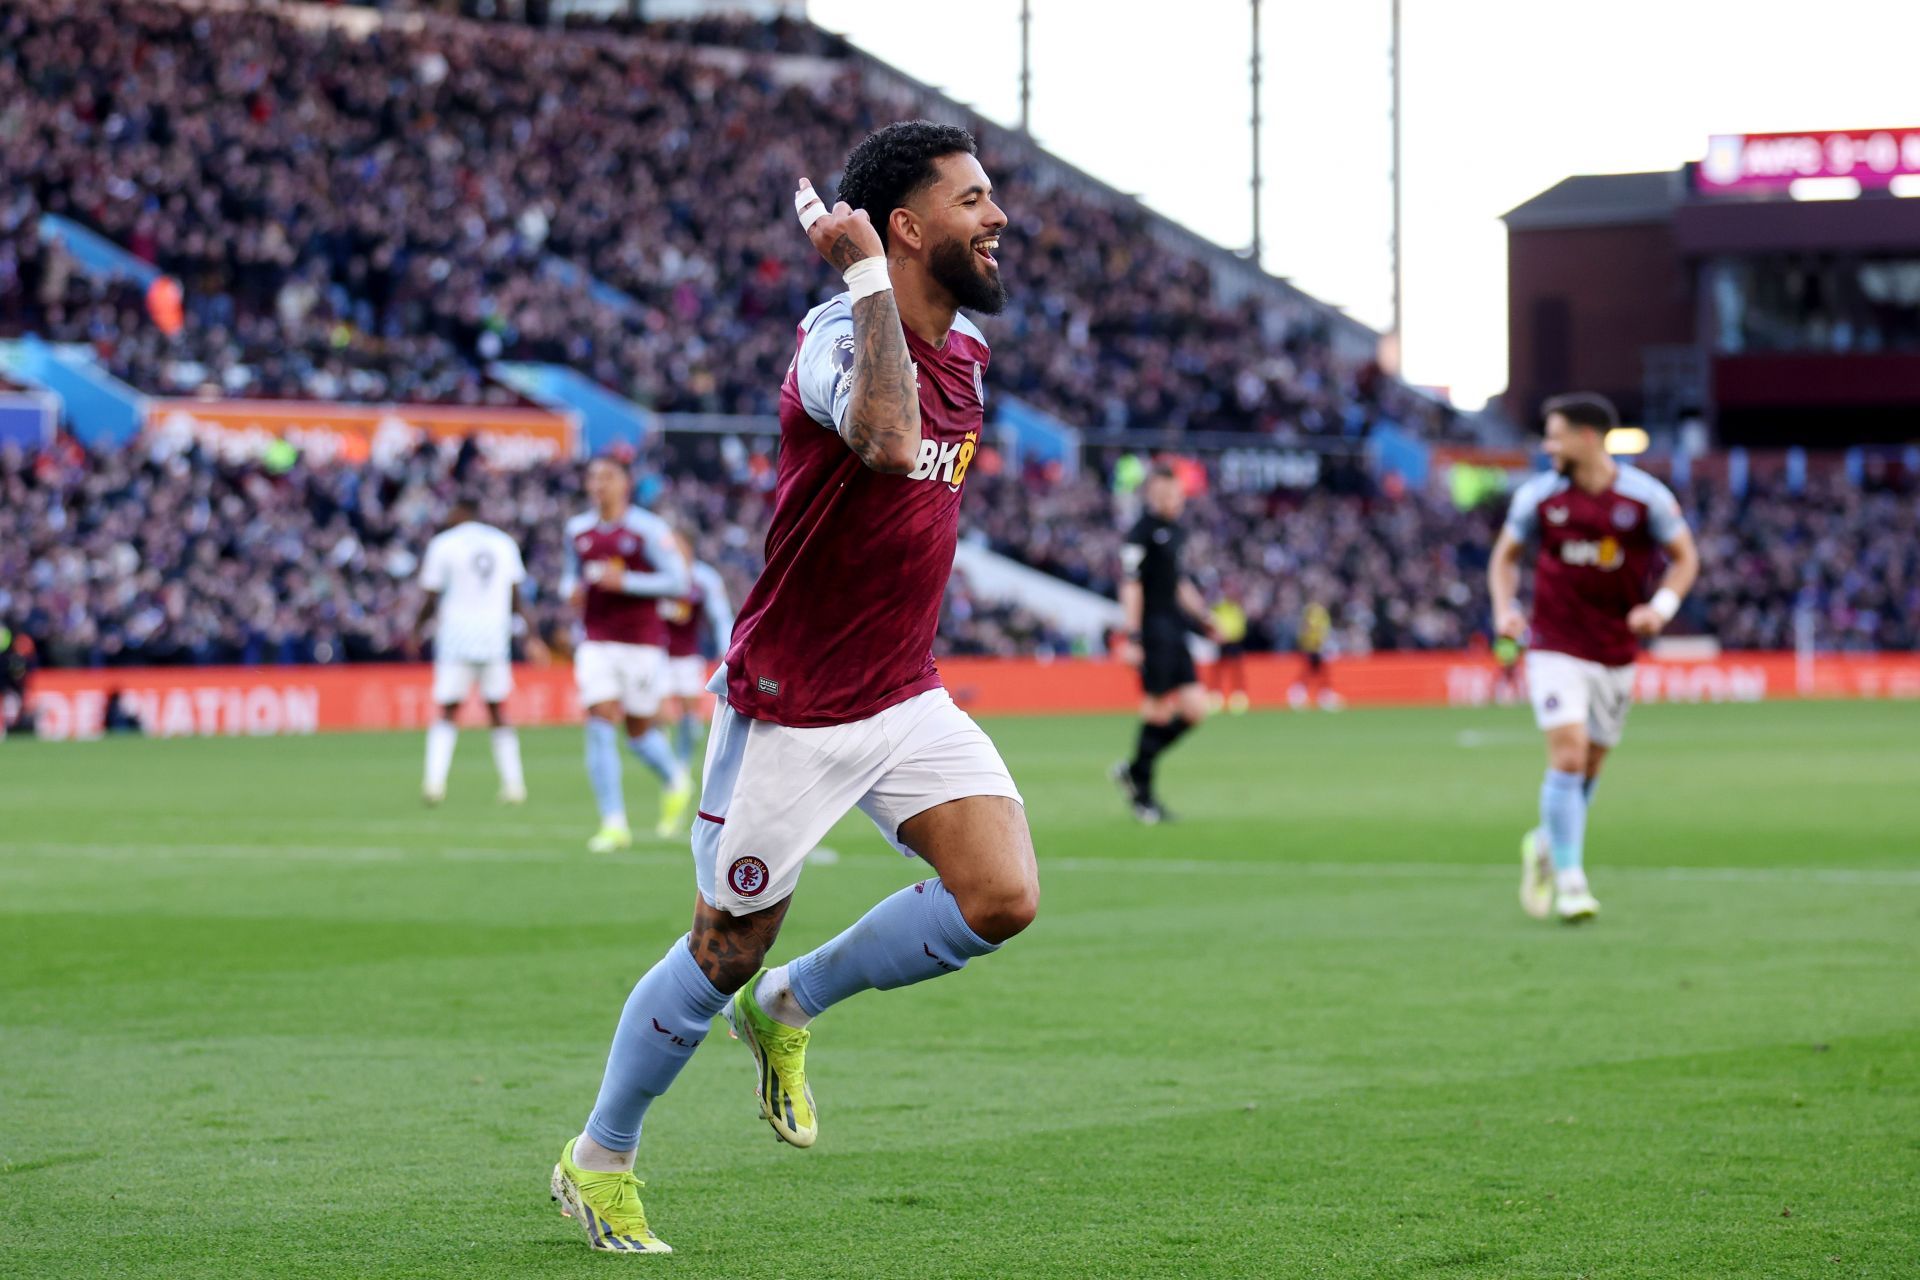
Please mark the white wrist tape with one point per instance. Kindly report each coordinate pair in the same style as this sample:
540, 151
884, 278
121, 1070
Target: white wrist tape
866, 278
1665, 603
807, 203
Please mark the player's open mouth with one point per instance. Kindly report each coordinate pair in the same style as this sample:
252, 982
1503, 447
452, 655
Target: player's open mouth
985, 248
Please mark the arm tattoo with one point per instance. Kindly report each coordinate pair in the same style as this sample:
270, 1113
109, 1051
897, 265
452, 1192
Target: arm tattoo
729, 948
883, 417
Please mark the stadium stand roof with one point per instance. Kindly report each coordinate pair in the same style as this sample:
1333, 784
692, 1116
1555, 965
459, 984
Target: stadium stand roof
1603, 199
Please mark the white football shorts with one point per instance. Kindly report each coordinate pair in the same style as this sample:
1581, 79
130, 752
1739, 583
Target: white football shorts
1568, 690
686, 675
770, 792
633, 675
453, 680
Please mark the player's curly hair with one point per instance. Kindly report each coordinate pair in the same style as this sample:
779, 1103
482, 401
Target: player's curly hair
893, 163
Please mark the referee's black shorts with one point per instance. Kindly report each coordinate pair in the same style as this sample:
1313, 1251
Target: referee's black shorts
1166, 664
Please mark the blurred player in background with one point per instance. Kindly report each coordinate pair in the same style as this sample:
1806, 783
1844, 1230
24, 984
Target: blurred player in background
471, 574
1313, 683
697, 626
1599, 524
1159, 604
832, 697
622, 562
1230, 669
16, 672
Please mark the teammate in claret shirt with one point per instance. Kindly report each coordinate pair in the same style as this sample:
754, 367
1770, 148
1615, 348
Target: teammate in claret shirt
830, 695
1600, 525
622, 562
699, 625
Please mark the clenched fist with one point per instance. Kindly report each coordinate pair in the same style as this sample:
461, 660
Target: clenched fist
843, 235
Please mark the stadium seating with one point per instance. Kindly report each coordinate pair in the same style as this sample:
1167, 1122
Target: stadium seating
375, 218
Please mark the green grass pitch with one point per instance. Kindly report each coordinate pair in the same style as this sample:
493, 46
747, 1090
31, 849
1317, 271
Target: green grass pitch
263, 1015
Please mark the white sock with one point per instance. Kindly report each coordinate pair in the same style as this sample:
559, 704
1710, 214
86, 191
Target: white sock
441, 737
591, 1157
776, 999
1572, 880
506, 760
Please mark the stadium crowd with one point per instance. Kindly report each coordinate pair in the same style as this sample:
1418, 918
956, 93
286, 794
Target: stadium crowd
379, 218
134, 557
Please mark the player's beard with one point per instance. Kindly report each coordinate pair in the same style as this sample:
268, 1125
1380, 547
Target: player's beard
974, 286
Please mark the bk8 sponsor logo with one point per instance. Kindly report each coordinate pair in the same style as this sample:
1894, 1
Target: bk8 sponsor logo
946, 462
1605, 554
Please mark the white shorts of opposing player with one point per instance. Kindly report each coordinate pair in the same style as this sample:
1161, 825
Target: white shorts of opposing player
1568, 690
454, 679
770, 792
687, 676
633, 675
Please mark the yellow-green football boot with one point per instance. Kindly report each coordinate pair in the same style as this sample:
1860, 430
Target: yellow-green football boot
607, 1207
780, 1053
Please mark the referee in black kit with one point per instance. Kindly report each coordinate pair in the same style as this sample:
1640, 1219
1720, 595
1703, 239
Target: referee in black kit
1160, 605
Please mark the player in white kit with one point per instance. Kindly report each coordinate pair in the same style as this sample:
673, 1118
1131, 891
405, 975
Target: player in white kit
471, 574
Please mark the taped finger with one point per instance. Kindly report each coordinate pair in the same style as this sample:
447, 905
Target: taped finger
806, 203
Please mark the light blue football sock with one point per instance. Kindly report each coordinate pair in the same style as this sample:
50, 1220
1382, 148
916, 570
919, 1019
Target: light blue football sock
603, 768
683, 736
666, 1017
1587, 789
1563, 812
916, 934
656, 753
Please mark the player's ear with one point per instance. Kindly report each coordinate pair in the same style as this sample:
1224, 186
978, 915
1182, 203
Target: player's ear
903, 228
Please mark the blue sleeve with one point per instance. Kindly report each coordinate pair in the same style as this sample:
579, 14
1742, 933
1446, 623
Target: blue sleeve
1664, 520
570, 576
824, 367
1523, 517
669, 577
719, 609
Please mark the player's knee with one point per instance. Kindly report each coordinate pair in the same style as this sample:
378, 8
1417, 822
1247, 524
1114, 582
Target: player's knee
1003, 911
731, 948
729, 960
1567, 757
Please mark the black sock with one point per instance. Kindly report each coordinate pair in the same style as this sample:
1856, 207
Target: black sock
1154, 738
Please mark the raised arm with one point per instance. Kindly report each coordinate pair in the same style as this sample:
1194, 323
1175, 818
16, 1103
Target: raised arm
881, 421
